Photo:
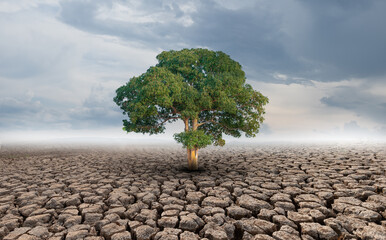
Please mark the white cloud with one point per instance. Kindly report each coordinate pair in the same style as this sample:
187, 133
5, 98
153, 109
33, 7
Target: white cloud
12, 6
188, 6
377, 88
280, 76
126, 13
138, 13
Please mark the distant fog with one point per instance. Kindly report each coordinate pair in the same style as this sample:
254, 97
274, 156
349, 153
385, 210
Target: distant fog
116, 137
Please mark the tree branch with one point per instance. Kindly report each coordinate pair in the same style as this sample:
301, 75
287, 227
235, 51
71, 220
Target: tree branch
212, 121
159, 124
175, 110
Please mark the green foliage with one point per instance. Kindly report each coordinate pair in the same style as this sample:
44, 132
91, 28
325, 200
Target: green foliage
194, 139
193, 84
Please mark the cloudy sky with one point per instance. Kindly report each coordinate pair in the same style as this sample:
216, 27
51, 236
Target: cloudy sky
321, 63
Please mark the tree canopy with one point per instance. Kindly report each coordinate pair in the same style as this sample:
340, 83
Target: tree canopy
206, 89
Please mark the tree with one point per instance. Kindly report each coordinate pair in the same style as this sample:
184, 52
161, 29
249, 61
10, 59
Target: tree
204, 88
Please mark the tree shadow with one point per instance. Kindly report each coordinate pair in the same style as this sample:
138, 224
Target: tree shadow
185, 169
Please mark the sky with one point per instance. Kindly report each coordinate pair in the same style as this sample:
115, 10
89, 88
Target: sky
320, 63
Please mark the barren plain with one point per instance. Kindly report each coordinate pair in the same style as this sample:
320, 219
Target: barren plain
240, 192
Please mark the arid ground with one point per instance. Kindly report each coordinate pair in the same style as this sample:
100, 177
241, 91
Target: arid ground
240, 192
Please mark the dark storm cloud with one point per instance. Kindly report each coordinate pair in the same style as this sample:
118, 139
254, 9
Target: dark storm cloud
320, 40
347, 36
359, 101
250, 36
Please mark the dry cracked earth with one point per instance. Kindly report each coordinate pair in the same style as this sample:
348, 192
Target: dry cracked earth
261, 192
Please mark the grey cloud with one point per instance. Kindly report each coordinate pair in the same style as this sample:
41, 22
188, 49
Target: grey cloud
97, 110
94, 117
9, 106
338, 40
358, 101
83, 15
28, 113
320, 40
346, 37
250, 38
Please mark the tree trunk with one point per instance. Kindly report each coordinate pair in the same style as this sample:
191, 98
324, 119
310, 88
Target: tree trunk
192, 160
192, 153
188, 151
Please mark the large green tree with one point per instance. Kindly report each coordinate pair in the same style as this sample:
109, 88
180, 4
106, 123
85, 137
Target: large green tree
203, 88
